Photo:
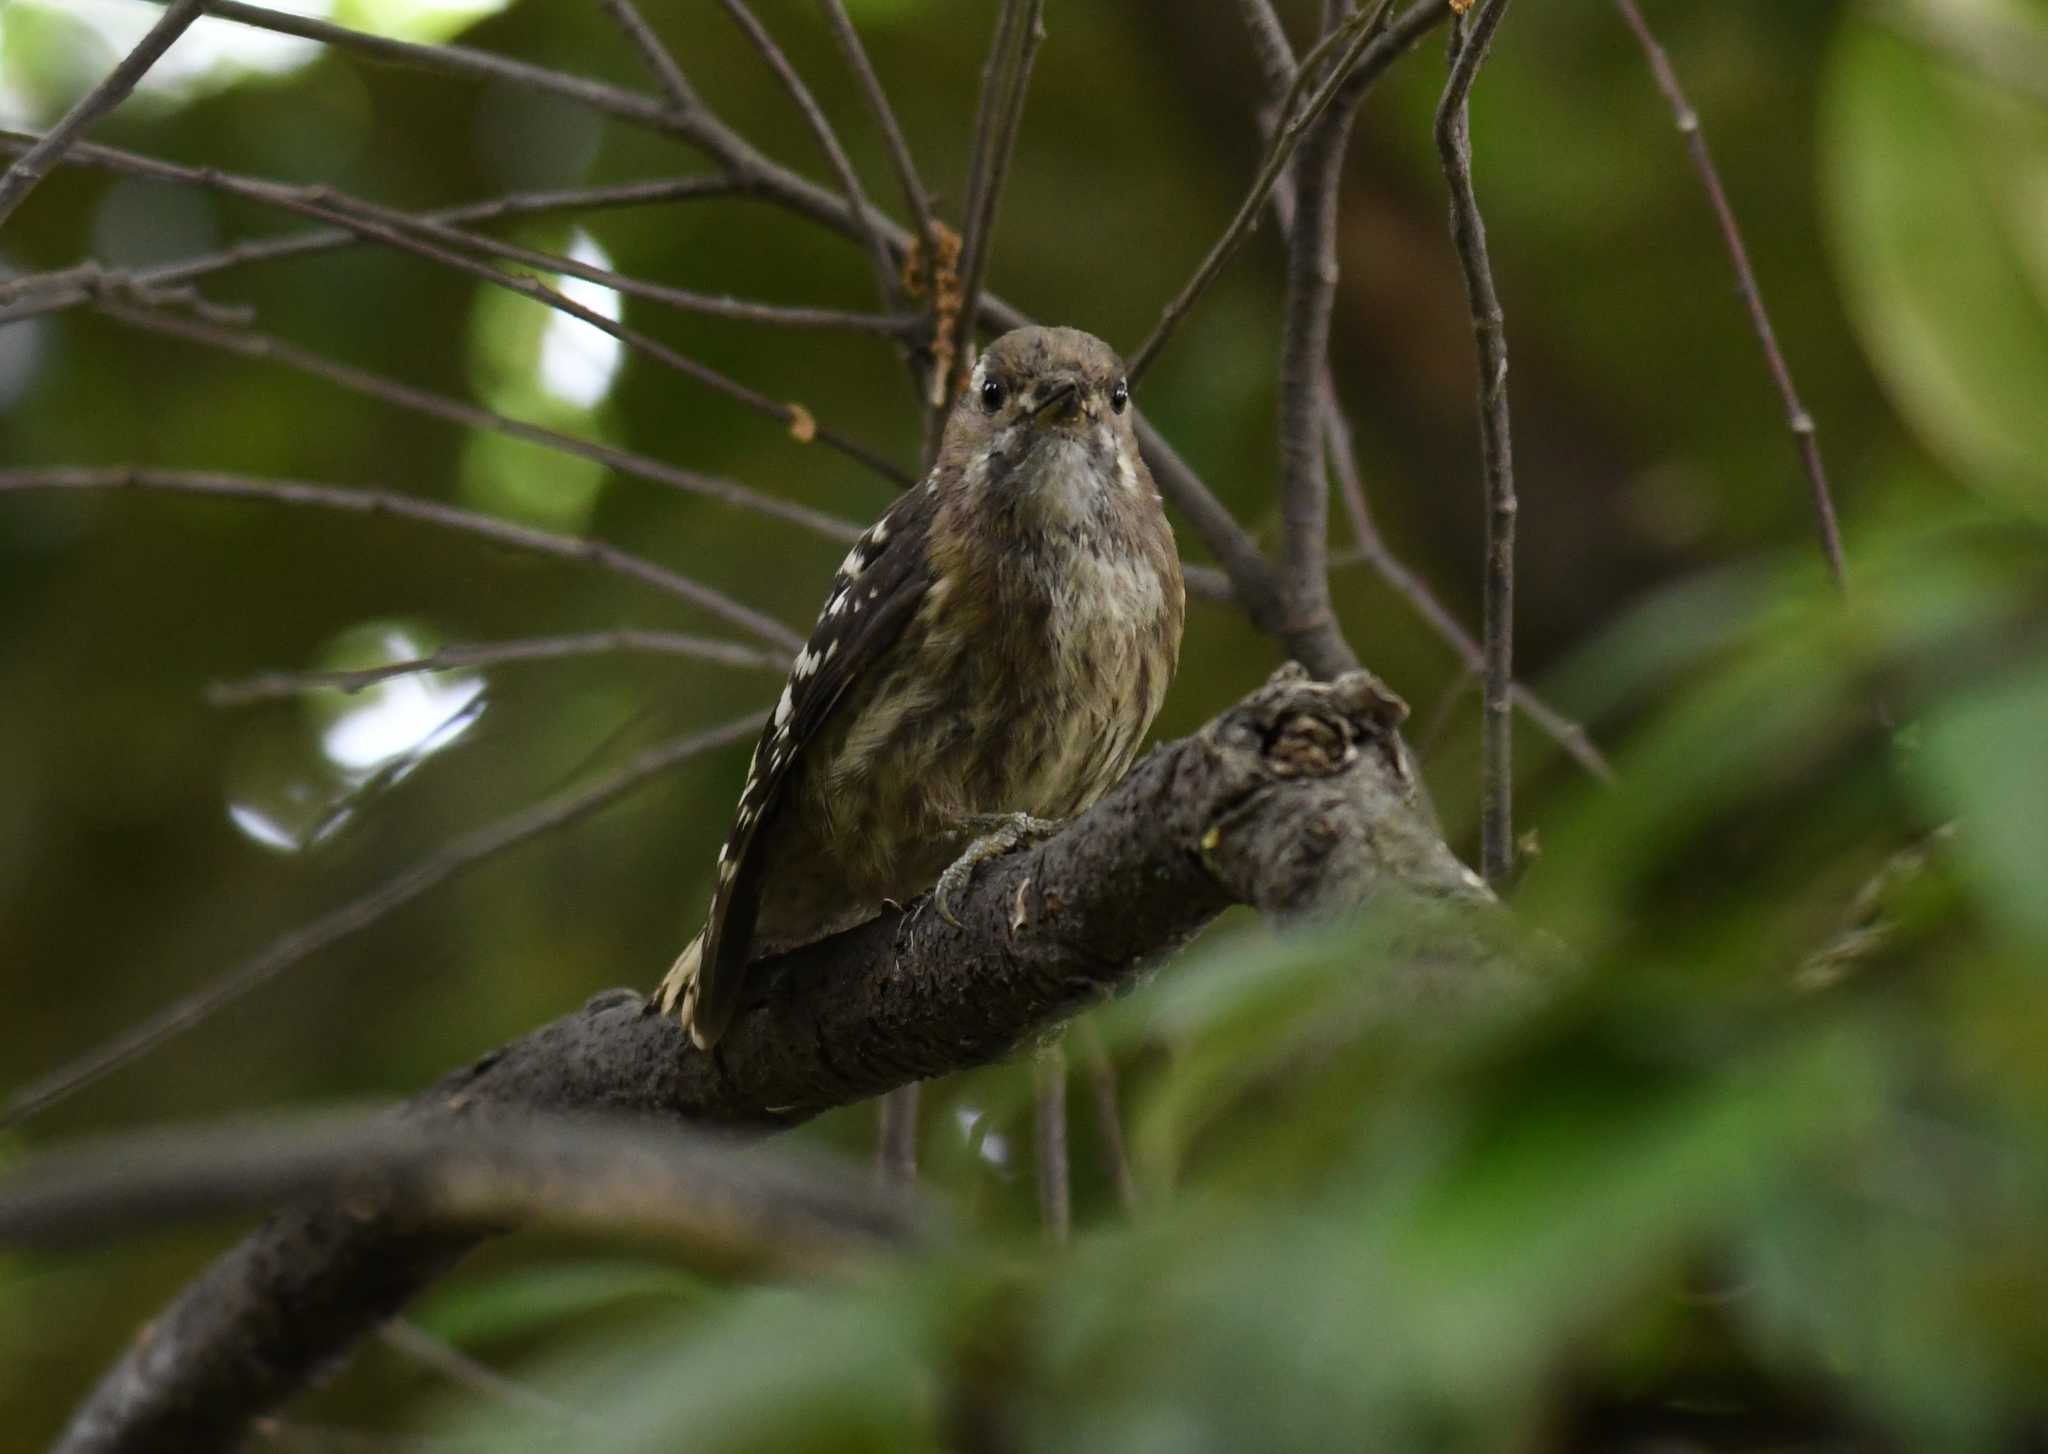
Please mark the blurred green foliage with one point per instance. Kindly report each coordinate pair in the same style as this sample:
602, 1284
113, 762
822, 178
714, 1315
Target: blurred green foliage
1756, 1161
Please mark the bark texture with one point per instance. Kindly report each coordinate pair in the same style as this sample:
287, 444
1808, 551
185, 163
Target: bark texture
1296, 800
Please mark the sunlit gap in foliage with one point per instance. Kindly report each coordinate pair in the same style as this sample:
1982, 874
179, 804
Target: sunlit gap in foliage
547, 368
293, 784
51, 50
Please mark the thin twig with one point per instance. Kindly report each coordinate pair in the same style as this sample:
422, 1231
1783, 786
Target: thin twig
409, 234
896, 1136
887, 286
1109, 1126
67, 287
265, 348
1006, 82
272, 685
38, 161
1412, 588
659, 60
1796, 417
386, 502
915, 197
1049, 1120
1471, 37
414, 1342
453, 858
1358, 32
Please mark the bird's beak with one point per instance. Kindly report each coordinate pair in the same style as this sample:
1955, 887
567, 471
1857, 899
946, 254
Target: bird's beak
1058, 399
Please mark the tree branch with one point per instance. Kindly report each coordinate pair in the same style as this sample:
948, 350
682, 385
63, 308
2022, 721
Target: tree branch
1295, 800
37, 162
428, 512
467, 1174
453, 858
271, 685
915, 197
1801, 423
1005, 82
267, 349
886, 286
1471, 39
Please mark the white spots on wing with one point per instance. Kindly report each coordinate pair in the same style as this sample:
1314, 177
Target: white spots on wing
830, 647
832, 609
874, 591
879, 533
783, 708
726, 871
724, 852
854, 564
807, 662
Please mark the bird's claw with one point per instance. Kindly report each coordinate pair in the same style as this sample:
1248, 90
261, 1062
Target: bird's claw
1001, 833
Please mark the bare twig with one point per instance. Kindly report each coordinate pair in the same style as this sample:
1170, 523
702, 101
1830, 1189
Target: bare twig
1471, 38
1412, 588
1006, 81
409, 234
385, 502
455, 857
263, 347
36, 163
915, 197
896, 1135
414, 1342
587, 1172
1800, 422
1049, 1122
67, 287
269, 686
1357, 33
659, 60
887, 287
1109, 1125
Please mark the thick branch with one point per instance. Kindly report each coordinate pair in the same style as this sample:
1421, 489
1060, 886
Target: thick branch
607, 1174
1294, 800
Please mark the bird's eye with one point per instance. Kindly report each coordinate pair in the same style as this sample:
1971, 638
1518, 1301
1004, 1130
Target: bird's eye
1120, 395
992, 395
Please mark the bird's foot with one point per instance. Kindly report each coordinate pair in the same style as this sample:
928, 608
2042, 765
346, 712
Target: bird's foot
1001, 833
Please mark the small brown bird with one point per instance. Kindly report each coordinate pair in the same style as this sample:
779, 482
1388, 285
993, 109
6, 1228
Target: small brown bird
990, 655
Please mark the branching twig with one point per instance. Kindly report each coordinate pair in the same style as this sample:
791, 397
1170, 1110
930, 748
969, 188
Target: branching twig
915, 197
269, 686
1413, 589
265, 348
36, 163
1800, 422
887, 288
409, 234
1005, 82
1358, 32
659, 60
455, 857
597, 1174
67, 288
1471, 38
1269, 44
385, 502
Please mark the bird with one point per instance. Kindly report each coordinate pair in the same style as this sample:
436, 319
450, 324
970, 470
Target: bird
989, 658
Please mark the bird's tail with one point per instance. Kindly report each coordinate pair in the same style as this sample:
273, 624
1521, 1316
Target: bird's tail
678, 993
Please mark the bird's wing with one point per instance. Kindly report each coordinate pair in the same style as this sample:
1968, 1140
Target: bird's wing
876, 591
